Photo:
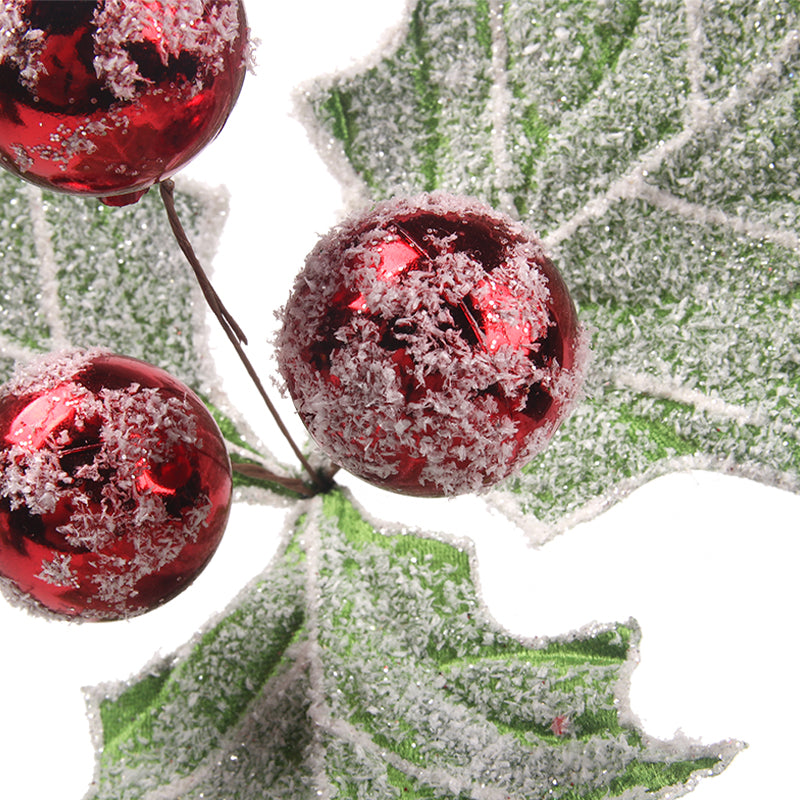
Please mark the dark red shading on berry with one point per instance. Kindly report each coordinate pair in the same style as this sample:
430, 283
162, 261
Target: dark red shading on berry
430, 346
115, 486
85, 111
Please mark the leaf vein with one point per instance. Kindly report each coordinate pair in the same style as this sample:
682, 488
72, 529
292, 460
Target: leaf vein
48, 268
271, 692
705, 403
709, 216
694, 60
632, 185
500, 99
319, 710
434, 777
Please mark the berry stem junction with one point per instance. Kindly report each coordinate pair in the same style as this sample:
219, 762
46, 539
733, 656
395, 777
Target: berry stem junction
237, 339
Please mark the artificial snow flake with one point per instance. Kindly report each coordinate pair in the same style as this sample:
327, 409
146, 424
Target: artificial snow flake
58, 572
175, 28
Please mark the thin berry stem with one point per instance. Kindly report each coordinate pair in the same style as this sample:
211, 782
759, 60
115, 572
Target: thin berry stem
234, 334
225, 318
261, 473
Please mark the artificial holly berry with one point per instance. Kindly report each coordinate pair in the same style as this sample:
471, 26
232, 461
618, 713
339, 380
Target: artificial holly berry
430, 347
115, 486
107, 97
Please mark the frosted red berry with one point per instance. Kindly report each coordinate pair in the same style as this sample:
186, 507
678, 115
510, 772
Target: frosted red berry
115, 486
107, 97
430, 346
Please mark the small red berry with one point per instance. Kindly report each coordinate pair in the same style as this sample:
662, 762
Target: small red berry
108, 97
430, 346
560, 725
115, 486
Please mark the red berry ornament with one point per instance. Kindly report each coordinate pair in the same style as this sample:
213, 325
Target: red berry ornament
430, 346
108, 97
115, 486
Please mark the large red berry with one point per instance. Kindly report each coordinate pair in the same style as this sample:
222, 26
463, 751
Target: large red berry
107, 97
115, 486
430, 346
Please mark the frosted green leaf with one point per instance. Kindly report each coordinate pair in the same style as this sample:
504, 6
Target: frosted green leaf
77, 273
362, 664
655, 146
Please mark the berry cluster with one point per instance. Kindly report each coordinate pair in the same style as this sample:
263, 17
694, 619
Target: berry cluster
115, 484
430, 346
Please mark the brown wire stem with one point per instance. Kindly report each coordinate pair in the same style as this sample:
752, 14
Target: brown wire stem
167, 189
263, 474
234, 334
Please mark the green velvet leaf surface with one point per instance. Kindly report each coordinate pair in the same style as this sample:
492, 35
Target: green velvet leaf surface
363, 664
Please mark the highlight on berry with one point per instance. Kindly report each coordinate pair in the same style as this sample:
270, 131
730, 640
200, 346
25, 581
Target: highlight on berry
430, 346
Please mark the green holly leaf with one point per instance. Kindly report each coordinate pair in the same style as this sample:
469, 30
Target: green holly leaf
655, 146
363, 665
77, 273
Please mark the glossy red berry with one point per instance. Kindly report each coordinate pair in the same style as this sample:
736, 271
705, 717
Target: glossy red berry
430, 346
115, 486
107, 97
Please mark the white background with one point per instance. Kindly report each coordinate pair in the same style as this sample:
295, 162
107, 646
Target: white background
704, 562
